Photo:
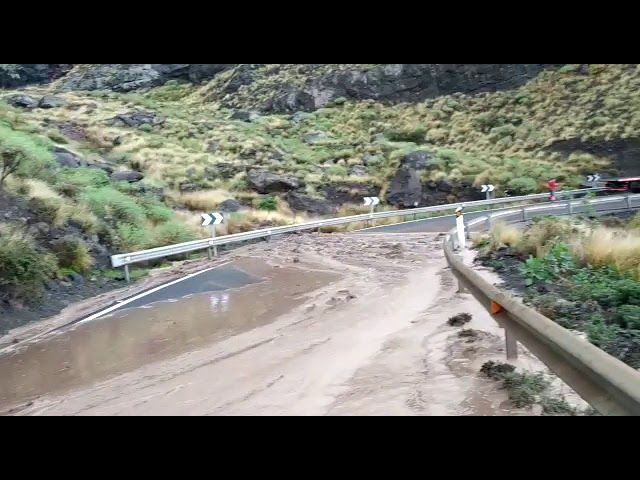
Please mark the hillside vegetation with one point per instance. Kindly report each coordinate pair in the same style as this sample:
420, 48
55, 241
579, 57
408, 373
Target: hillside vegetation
120, 170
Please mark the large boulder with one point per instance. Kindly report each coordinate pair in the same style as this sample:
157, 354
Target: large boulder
229, 206
245, 116
305, 203
221, 170
66, 158
51, 101
137, 118
418, 160
405, 190
73, 131
22, 101
339, 193
189, 187
127, 176
202, 72
267, 182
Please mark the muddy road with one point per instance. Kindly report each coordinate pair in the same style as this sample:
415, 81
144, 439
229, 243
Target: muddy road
315, 325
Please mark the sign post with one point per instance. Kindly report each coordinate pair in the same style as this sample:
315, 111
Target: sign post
488, 189
462, 238
371, 202
212, 219
593, 180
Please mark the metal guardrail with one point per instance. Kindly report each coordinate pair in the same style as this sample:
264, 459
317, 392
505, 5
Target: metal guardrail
123, 260
606, 383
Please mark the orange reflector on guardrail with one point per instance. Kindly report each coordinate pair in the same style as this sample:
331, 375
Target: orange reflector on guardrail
495, 308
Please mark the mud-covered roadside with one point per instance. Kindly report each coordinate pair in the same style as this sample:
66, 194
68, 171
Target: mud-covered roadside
372, 339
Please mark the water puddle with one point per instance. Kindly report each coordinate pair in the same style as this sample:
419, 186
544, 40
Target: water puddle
181, 319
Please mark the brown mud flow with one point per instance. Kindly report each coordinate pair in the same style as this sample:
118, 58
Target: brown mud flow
132, 337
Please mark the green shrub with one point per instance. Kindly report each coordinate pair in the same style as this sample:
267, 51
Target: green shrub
522, 186
268, 203
630, 316
525, 388
22, 154
155, 210
126, 237
45, 209
110, 204
71, 181
498, 133
23, 268
338, 171
414, 135
57, 137
72, 253
569, 68
556, 406
170, 233
558, 262
485, 122
600, 333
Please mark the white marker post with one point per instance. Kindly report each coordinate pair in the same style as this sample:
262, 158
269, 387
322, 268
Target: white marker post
371, 202
212, 219
462, 238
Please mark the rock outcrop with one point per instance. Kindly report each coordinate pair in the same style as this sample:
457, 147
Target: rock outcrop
263, 181
19, 75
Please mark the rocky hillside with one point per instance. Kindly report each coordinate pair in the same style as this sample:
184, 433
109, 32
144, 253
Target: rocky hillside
127, 156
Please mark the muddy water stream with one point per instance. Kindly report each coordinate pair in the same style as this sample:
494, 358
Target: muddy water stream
137, 336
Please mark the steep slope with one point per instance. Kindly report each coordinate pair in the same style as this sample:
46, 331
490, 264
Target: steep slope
134, 160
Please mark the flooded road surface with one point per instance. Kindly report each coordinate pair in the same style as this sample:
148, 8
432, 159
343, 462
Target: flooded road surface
334, 325
171, 325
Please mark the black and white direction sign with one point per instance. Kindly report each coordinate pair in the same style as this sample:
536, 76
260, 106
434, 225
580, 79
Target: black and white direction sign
214, 218
593, 178
371, 201
488, 188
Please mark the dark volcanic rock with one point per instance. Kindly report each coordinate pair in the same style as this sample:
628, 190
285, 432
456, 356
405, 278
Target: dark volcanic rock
51, 101
340, 193
418, 160
127, 176
19, 75
305, 203
137, 118
625, 153
21, 100
394, 83
65, 158
201, 72
244, 116
267, 182
221, 170
405, 190
230, 205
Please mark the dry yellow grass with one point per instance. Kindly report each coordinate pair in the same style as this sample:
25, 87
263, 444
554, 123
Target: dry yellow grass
504, 235
202, 200
617, 248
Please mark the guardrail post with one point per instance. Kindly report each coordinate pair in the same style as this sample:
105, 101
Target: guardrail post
570, 207
628, 200
489, 222
524, 214
127, 277
511, 345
